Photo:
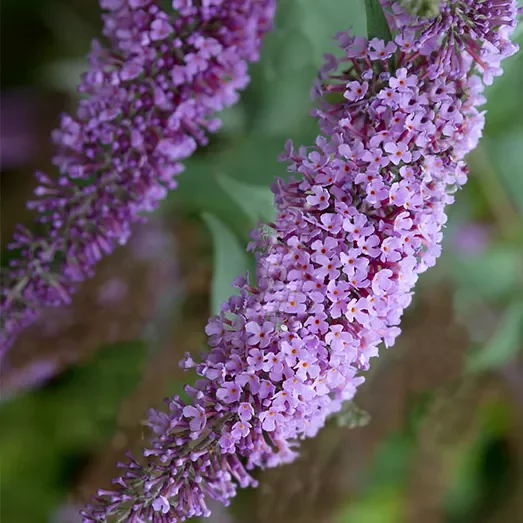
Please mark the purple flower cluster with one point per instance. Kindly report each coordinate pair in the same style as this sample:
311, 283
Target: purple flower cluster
335, 272
149, 100
464, 31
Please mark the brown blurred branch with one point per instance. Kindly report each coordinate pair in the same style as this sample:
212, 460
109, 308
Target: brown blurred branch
186, 334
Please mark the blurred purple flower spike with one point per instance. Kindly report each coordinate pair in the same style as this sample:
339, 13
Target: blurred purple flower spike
149, 100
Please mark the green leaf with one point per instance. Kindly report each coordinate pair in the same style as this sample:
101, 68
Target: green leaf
505, 343
488, 277
198, 191
464, 482
255, 200
230, 261
278, 99
391, 460
377, 26
64, 75
253, 158
505, 155
295, 51
378, 505
321, 21
504, 110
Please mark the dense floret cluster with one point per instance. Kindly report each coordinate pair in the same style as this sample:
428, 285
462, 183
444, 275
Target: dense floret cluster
464, 31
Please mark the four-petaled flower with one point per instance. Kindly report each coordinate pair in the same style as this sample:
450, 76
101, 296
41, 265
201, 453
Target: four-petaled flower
320, 198
398, 152
270, 418
229, 393
197, 415
356, 91
259, 335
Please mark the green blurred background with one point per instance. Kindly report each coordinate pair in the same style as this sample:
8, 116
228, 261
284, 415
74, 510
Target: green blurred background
445, 439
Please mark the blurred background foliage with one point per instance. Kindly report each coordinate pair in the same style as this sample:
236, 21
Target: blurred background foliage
445, 440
